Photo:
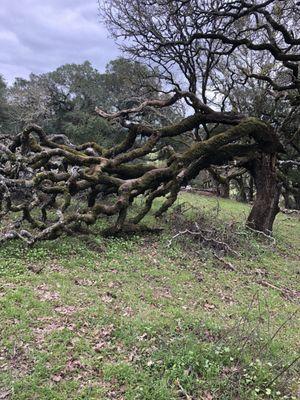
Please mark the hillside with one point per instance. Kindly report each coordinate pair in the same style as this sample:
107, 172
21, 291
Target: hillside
196, 316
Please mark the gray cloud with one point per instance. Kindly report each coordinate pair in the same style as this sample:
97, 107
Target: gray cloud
40, 35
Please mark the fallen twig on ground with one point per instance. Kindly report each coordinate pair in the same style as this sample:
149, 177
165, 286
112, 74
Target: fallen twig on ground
287, 293
228, 265
263, 234
201, 234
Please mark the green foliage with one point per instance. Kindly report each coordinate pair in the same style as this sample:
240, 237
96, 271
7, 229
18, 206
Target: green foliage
127, 83
64, 100
83, 127
4, 108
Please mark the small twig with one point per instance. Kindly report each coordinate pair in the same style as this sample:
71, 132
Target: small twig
283, 371
278, 330
240, 323
35, 269
183, 391
263, 234
199, 233
227, 264
284, 291
175, 236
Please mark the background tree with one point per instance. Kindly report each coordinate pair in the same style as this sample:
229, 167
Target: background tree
4, 107
212, 48
64, 101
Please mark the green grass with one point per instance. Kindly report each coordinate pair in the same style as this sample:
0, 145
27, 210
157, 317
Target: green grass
133, 318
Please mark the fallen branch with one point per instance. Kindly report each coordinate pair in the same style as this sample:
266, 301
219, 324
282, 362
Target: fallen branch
200, 233
289, 211
228, 265
287, 293
269, 237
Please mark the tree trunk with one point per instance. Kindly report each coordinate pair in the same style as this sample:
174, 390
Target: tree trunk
265, 206
251, 191
222, 184
287, 199
242, 197
224, 190
297, 200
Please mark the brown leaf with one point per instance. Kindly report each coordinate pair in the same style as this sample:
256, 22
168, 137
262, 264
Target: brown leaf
56, 378
114, 284
128, 312
209, 306
103, 336
100, 345
108, 297
84, 282
4, 394
66, 310
45, 294
207, 396
72, 365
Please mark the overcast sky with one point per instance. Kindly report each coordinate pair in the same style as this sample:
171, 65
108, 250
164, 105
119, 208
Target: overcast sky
40, 35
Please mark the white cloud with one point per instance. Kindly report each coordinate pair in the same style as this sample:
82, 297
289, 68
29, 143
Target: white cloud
38, 36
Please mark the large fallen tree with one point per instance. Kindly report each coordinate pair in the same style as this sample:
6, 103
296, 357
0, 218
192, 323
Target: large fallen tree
205, 52
49, 186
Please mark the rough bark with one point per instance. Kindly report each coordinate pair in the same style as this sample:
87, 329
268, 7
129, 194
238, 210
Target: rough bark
251, 190
265, 207
287, 199
224, 190
242, 196
297, 201
222, 184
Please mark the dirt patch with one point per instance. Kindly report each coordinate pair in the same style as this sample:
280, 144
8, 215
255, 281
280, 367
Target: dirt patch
66, 310
46, 294
52, 325
17, 361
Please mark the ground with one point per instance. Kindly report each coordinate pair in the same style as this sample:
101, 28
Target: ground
151, 318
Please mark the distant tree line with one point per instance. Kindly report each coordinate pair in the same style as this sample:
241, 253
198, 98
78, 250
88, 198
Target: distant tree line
64, 101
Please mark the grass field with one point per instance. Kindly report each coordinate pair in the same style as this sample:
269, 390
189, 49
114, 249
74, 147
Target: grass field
150, 318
